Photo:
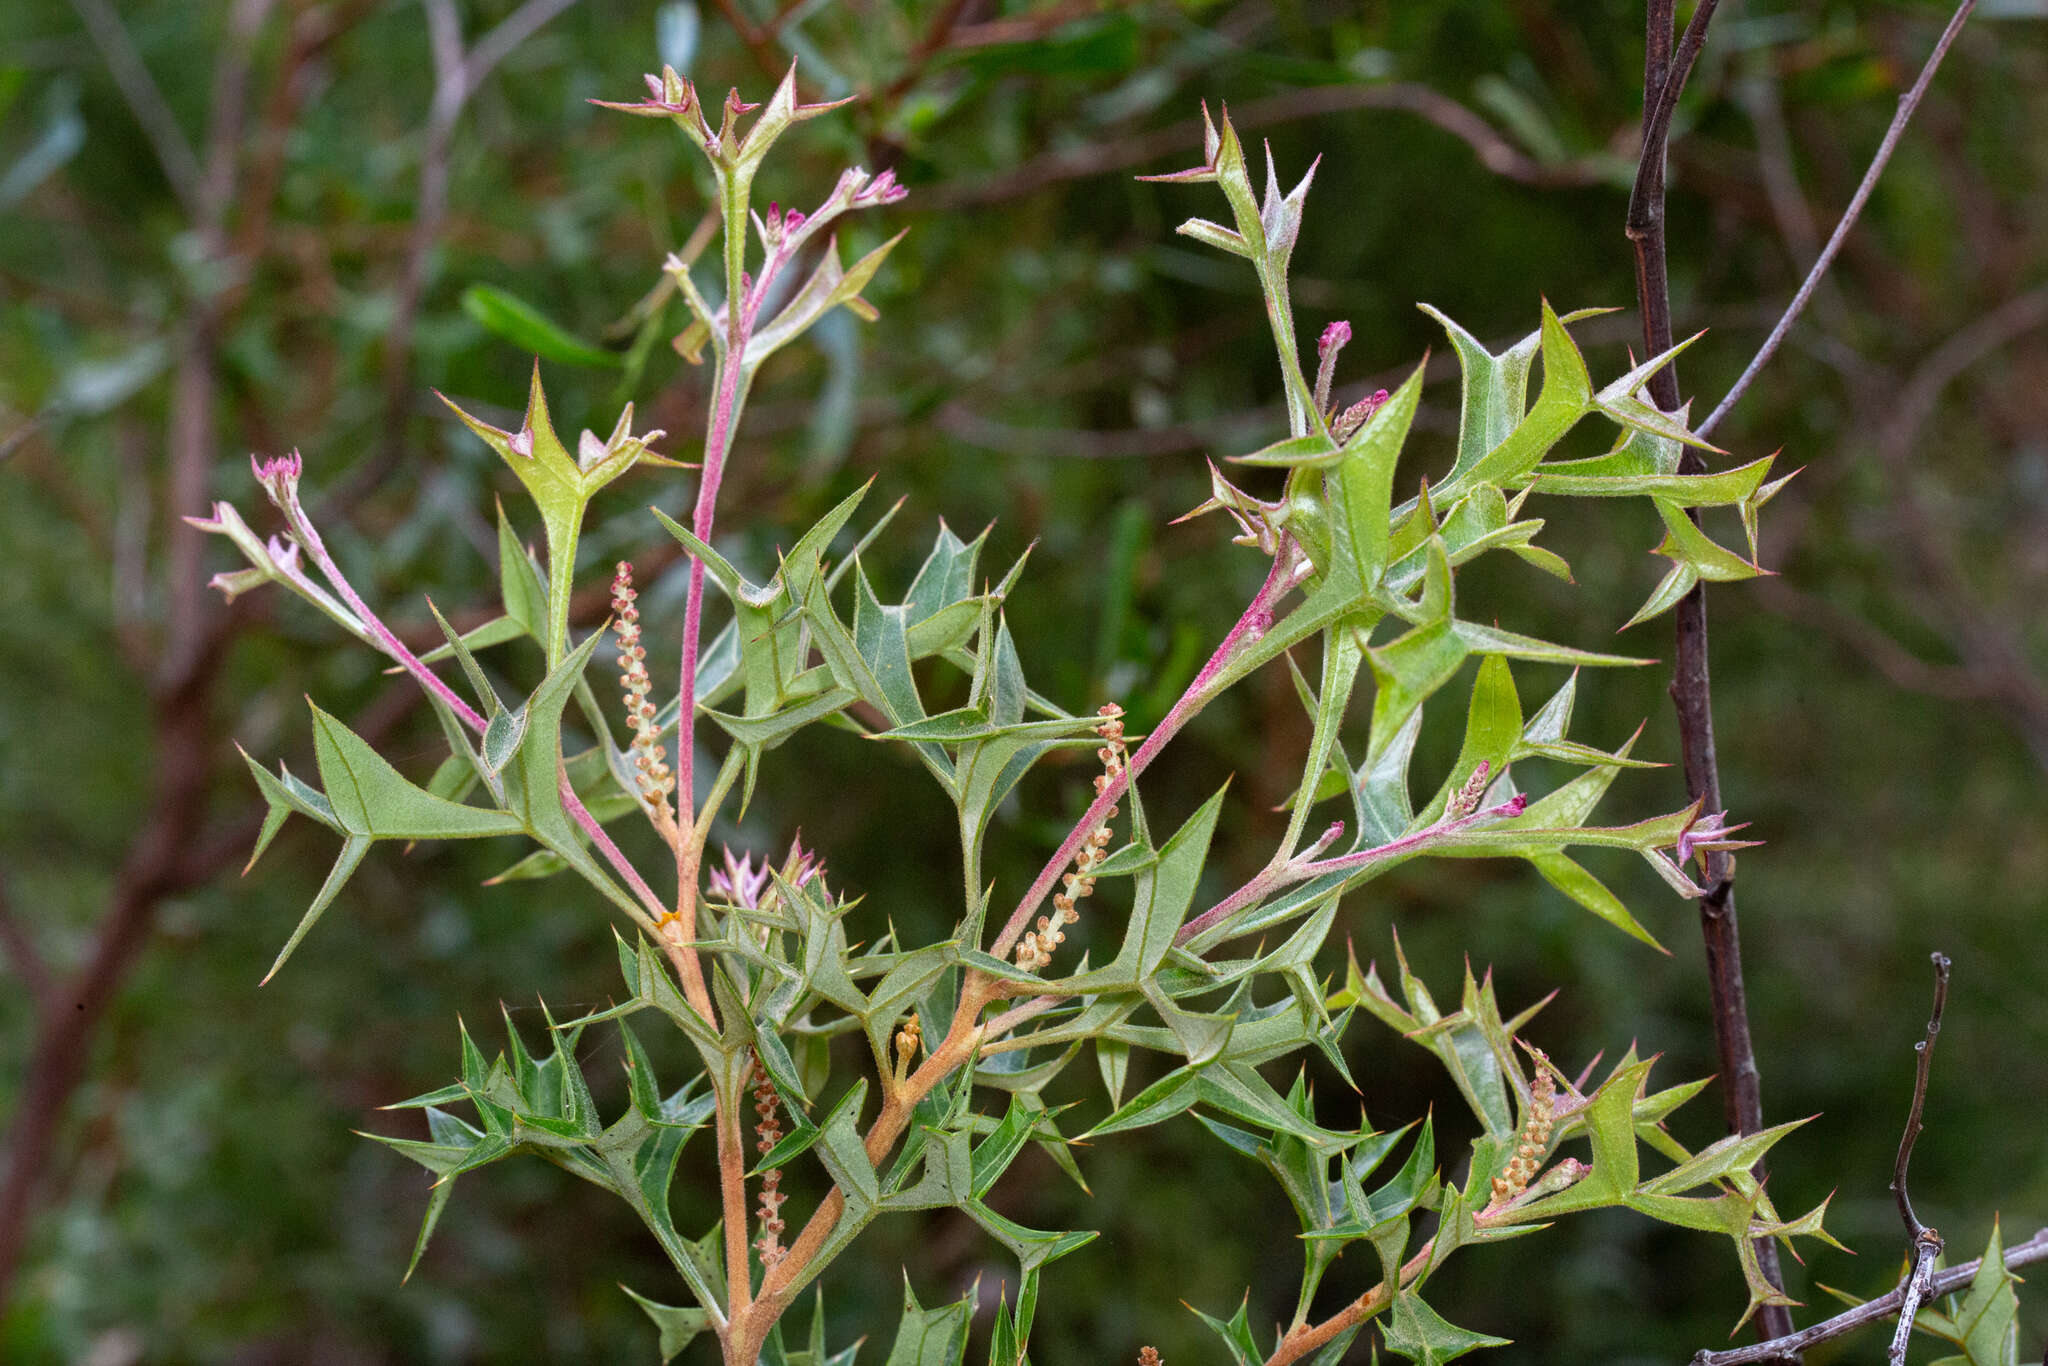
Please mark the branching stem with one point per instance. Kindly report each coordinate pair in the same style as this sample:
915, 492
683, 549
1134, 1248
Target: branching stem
963, 1039
2035, 1249
1302, 1340
1257, 619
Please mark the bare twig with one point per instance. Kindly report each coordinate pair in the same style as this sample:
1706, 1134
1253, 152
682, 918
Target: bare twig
145, 99
2035, 1249
1908, 102
457, 75
1924, 1051
1925, 1249
1664, 73
1925, 1244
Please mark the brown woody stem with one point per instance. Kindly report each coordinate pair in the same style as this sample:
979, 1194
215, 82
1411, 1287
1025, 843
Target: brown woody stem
1664, 76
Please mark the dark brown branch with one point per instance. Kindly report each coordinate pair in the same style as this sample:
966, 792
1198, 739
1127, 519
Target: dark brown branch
2035, 1249
1908, 102
1664, 73
1924, 1053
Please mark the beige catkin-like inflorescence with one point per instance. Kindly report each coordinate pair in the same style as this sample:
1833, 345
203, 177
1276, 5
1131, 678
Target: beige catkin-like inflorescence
1035, 949
1467, 798
768, 1133
656, 782
1532, 1142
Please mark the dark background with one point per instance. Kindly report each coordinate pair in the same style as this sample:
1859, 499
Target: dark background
1052, 357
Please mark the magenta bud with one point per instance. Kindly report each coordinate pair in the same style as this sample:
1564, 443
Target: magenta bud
1518, 803
1333, 339
277, 467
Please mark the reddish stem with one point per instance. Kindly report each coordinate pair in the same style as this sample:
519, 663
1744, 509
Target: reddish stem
1256, 621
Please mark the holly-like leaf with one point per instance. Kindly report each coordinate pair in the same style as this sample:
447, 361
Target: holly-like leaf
678, 1327
1987, 1320
1161, 897
932, 1337
1425, 1337
1236, 1333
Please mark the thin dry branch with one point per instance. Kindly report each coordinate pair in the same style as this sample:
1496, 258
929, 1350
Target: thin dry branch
145, 99
2035, 1249
457, 75
1923, 1243
1908, 102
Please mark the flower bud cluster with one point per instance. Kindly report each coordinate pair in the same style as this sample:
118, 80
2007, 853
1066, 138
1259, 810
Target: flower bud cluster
1345, 424
656, 782
1533, 1142
1467, 798
1342, 424
1035, 950
1148, 1355
768, 1133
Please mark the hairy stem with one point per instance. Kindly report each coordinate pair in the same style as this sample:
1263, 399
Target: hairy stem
1257, 619
779, 1286
1302, 1340
613, 855
732, 1197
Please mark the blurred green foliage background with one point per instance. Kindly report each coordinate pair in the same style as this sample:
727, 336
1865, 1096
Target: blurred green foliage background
208, 213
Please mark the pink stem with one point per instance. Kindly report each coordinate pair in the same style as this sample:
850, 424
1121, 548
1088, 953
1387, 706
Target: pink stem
316, 550
1271, 879
578, 812
717, 445
1276, 876
1256, 621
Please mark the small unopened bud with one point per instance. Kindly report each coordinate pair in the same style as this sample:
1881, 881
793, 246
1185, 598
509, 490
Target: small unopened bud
1354, 417
1333, 339
1466, 801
